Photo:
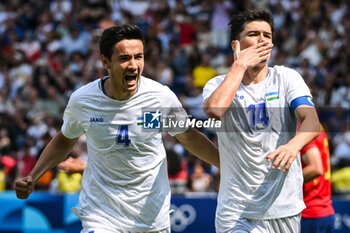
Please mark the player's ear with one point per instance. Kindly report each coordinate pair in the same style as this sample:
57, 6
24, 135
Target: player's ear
233, 45
236, 46
106, 62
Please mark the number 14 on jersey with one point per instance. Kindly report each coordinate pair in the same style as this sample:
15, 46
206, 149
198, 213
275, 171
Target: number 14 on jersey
257, 114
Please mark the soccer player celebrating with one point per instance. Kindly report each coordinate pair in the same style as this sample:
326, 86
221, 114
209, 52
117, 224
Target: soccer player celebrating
125, 186
261, 175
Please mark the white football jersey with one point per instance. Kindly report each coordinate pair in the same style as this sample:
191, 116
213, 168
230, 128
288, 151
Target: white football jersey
125, 184
258, 121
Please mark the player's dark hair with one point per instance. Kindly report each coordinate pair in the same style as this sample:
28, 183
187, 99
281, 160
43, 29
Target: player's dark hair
241, 19
115, 34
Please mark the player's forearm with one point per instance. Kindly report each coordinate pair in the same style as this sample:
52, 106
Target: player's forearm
216, 105
302, 138
54, 153
200, 146
309, 128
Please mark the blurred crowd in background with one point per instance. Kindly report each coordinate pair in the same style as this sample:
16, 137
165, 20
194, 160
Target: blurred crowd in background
49, 48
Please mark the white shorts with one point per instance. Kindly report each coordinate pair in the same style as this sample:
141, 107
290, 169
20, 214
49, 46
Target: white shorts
280, 225
98, 224
86, 230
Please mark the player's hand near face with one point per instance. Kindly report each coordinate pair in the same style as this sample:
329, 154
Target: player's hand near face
24, 187
252, 55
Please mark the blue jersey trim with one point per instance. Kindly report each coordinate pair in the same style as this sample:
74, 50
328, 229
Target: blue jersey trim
303, 100
102, 84
107, 77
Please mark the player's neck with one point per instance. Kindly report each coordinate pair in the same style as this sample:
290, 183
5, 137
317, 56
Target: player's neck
116, 93
255, 75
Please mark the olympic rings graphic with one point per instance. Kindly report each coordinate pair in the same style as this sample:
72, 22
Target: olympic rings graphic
181, 217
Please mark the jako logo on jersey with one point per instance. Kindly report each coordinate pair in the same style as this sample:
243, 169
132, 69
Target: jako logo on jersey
152, 119
239, 96
96, 119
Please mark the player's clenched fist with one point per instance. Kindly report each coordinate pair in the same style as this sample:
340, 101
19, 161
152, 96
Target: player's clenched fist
24, 187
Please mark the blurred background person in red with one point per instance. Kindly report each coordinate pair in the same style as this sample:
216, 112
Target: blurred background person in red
318, 217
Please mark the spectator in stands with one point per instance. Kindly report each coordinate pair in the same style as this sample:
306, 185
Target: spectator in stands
203, 72
9, 169
200, 181
25, 159
219, 24
177, 172
342, 147
193, 103
44, 182
2, 177
341, 180
70, 172
74, 42
60, 9
76, 162
54, 103
165, 74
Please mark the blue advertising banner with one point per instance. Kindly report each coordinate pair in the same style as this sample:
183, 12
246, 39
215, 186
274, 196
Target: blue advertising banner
194, 213
342, 214
50, 213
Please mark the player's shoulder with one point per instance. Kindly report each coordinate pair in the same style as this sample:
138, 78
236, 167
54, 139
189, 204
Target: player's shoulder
85, 91
162, 94
216, 81
282, 71
149, 85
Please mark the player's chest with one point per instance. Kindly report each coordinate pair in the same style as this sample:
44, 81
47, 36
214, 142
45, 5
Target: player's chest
256, 107
120, 127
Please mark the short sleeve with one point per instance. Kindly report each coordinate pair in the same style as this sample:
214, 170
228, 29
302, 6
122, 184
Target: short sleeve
72, 127
174, 113
296, 87
211, 85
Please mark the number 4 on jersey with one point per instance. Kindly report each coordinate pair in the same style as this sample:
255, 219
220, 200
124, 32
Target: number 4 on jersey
123, 135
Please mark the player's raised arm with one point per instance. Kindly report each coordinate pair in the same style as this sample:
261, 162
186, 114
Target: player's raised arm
200, 146
55, 152
217, 103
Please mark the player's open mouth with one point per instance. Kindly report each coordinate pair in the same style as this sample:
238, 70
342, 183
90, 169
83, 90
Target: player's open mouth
130, 77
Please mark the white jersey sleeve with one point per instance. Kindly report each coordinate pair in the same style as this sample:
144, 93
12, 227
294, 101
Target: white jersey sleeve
174, 112
295, 85
72, 127
211, 85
